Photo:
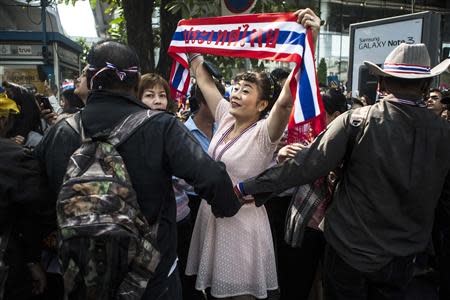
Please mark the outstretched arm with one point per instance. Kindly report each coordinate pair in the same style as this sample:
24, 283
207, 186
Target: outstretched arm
324, 154
209, 178
205, 82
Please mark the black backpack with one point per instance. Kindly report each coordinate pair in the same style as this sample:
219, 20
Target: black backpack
107, 248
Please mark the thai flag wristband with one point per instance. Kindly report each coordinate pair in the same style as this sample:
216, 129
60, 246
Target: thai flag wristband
243, 198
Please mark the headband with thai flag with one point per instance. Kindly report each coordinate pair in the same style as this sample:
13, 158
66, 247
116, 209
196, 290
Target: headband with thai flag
275, 36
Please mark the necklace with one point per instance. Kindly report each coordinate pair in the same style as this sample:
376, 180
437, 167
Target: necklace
229, 143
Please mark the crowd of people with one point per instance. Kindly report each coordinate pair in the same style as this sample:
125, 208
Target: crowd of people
209, 201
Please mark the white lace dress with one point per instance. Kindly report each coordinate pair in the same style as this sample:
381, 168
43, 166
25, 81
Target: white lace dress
235, 256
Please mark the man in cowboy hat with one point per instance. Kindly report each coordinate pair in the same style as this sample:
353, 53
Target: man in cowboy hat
396, 157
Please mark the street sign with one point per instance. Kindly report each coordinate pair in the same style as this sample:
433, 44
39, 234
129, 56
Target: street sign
24, 50
231, 7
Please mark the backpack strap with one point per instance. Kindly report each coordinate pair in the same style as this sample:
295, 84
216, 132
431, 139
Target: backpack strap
122, 132
358, 121
74, 121
128, 127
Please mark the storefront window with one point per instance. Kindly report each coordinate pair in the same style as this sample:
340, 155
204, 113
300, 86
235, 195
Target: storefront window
26, 75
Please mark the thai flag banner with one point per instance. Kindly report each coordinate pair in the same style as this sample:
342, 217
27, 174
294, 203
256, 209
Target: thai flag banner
275, 36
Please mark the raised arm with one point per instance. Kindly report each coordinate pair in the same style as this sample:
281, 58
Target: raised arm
205, 82
279, 115
309, 20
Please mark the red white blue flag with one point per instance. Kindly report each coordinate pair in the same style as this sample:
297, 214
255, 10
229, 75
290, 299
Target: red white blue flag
275, 36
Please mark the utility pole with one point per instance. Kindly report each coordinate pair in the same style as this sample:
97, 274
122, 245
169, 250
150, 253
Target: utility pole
45, 53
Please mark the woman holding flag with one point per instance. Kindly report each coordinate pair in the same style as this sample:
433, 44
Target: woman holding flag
235, 256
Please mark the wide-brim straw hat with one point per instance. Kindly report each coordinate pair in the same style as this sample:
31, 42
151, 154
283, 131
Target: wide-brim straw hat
408, 61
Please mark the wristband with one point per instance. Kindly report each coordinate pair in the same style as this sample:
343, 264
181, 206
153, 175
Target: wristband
240, 187
243, 198
191, 58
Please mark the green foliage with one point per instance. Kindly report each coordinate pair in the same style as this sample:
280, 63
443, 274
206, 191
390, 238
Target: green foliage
66, 2
322, 71
195, 8
93, 3
82, 42
269, 6
117, 26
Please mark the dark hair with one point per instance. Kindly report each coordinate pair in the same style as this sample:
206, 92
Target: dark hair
334, 101
193, 101
445, 96
357, 102
418, 85
117, 54
268, 88
435, 90
74, 102
197, 96
29, 117
151, 80
279, 74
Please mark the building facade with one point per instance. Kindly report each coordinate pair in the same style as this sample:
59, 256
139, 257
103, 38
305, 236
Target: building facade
334, 40
23, 59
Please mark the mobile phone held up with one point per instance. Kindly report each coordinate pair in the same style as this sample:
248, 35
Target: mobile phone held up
44, 103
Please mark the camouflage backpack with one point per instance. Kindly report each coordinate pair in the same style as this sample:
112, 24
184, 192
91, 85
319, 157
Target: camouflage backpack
107, 248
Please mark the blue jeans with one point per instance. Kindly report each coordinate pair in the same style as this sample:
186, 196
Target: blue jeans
343, 282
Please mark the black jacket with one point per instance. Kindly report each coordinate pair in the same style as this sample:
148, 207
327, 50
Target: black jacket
159, 149
22, 196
